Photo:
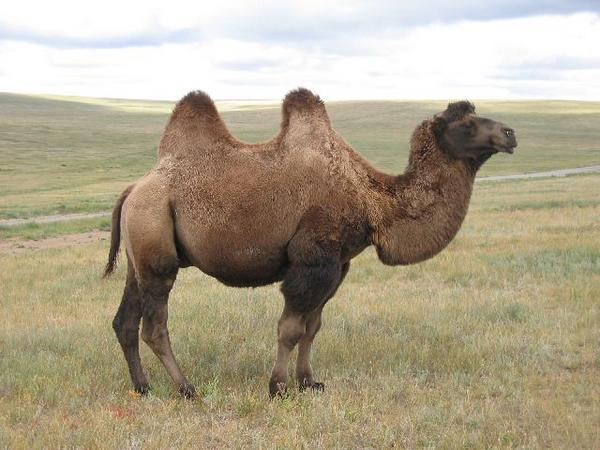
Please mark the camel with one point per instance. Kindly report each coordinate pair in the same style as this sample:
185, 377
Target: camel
295, 209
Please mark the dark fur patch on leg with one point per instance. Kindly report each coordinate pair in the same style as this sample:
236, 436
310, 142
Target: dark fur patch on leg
307, 287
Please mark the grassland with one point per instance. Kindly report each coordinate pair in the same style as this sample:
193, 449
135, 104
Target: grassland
35, 231
64, 154
492, 344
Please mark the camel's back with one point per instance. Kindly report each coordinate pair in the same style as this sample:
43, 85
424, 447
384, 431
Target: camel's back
198, 154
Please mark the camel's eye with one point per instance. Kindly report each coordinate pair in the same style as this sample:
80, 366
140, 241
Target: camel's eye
469, 127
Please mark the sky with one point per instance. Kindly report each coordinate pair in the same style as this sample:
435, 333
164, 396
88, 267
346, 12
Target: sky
247, 49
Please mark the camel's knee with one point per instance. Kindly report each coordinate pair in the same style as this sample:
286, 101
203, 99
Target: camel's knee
155, 296
127, 336
154, 326
290, 330
126, 326
126, 321
155, 336
314, 322
117, 325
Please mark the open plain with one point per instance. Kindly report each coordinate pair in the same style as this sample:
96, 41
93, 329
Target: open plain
494, 343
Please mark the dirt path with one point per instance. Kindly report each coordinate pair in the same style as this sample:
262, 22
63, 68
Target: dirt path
15, 246
53, 218
550, 173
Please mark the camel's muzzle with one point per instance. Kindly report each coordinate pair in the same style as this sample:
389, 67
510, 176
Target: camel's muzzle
510, 141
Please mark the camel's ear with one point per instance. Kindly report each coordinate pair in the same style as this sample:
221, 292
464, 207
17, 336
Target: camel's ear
439, 124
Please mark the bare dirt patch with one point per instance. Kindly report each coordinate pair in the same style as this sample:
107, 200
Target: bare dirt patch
53, 218
13, 246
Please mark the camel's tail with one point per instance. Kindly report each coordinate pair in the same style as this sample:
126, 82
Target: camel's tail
115, 233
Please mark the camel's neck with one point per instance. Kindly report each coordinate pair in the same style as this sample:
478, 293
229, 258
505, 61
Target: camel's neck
418, 213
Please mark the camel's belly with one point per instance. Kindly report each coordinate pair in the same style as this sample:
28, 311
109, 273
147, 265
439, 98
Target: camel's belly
249, 266
240, 238
236, 260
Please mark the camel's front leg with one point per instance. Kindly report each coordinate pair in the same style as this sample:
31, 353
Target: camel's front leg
290, 329
305, 288
304, 372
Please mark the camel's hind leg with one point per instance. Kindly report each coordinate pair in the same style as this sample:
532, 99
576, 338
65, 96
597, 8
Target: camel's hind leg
150, 239
126, 325
155, 287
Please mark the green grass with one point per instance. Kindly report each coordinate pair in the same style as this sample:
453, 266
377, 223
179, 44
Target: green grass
72, 154
492, 344
32, 230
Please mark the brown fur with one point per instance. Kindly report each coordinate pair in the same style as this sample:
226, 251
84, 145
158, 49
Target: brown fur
295, 209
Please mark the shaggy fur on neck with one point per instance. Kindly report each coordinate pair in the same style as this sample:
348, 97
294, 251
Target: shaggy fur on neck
429, 204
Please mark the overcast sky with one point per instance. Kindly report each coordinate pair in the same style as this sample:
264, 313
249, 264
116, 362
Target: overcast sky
246, 49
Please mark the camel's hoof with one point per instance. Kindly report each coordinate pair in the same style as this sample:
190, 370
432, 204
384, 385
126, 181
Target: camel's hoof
142, 389
312, 385
277, 389
187, 391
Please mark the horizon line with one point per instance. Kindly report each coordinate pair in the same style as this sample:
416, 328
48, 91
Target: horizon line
278, 100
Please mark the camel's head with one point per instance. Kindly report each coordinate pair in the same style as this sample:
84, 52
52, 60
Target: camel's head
463, 135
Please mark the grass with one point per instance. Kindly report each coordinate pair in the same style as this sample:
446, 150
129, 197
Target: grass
492, 344
73, 154
35, 231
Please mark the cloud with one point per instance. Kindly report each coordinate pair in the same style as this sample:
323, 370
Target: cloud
115, 23
342, 50
140, 39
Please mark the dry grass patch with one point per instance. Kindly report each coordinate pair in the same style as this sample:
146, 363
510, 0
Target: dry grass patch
492, 344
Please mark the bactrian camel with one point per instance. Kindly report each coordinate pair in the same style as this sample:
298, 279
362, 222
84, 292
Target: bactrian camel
294, 209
